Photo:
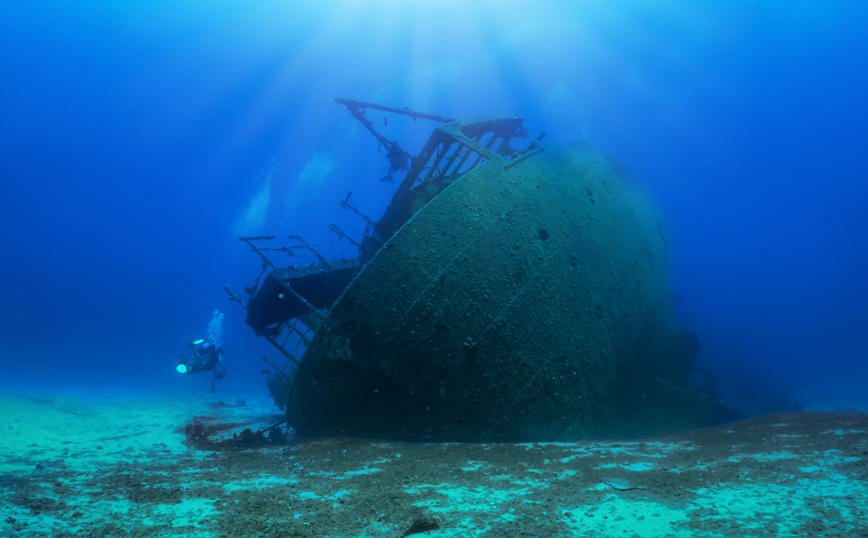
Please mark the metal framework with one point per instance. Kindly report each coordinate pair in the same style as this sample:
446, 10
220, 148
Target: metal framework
453, 149
280, 335
289, 295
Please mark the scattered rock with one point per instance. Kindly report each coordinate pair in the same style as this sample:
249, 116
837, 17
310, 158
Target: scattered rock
421, 524
621, 484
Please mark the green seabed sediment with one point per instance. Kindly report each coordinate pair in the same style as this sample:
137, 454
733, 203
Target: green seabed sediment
115, 467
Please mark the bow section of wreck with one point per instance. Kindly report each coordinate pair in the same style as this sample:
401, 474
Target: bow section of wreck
503, 294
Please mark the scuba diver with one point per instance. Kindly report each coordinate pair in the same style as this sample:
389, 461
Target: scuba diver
207, 354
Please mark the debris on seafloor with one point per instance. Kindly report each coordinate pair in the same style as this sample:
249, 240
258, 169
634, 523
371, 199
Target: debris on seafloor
200, 436
621, 484
239, 402
505, 293
195, 430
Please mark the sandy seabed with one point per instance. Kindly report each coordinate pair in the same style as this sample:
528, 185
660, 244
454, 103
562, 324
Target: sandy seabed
106, 467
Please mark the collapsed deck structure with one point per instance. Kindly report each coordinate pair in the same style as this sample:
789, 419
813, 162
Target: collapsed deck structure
503, 294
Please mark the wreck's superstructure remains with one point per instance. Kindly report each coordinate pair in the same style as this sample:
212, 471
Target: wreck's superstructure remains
503, 294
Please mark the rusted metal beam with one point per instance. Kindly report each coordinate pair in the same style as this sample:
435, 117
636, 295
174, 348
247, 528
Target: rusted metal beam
309, 246
279, 347
346, 205
532, 150
343, 235
233, 297
256, 238
353, 104
257, 250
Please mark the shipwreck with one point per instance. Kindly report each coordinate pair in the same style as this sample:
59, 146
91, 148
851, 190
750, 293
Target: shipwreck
510, 290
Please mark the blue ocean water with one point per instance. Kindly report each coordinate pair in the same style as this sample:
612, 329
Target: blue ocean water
139, 140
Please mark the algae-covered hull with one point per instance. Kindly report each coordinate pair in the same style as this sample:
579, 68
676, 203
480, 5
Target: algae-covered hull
527, 300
